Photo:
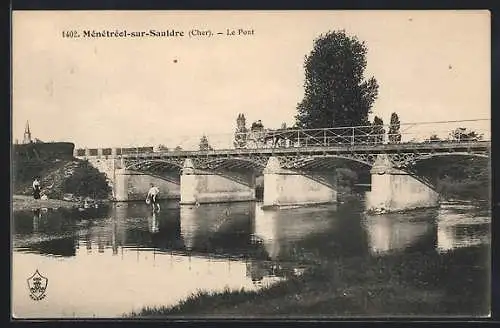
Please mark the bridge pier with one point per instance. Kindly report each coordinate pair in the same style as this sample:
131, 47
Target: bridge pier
128, 185
131, 185
394, 190
120, 186
211, 187
284, 187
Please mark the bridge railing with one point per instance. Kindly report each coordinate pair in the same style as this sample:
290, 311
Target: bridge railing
445, 131
405, 133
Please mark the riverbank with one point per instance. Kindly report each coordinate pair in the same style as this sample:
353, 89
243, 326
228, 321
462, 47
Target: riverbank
21, 202
371, 286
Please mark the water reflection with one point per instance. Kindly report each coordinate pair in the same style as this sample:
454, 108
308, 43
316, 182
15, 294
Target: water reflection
282, 232
389, 233
45, 232
37, 216
135, 252
457, 228
244, 230
222, 229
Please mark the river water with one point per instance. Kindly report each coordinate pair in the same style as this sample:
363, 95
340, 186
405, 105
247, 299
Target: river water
110, 261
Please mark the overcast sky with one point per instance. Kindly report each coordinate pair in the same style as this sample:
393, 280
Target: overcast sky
430, 66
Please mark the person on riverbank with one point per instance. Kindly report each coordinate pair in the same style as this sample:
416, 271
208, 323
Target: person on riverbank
152, 197
36, 188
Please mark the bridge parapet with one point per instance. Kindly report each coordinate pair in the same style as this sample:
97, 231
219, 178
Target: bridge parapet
112, 152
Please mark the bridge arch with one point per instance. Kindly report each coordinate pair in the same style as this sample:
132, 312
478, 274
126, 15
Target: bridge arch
230, 163
327, 161
172, 178
414, 160
153, 163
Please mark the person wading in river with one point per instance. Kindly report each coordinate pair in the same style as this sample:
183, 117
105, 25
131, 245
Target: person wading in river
152, 197
36, 188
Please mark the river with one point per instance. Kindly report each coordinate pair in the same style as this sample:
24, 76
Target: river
110, 261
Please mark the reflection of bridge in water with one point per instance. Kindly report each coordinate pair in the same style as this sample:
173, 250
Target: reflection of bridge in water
457, 229
137, 256
276, 242
388, 233
442, 229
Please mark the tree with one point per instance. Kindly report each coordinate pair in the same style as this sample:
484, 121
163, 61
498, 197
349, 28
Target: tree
394, 133
86, 180
257, 126
378, 130
336, 93
240, 135
346, 177
433, 138
161, 147
257, 134
204, 143
178, 148
462, 134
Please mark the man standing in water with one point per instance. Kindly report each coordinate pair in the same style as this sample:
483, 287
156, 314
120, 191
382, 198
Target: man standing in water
152, 196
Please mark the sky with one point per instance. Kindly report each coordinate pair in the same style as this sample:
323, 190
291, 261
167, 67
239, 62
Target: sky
108, 92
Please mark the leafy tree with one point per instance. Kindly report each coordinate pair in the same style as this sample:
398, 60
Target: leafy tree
161, 147
257, 133
336, 93
462, 134
394, 133
378, 130
178, 148
464, 178
86, 180
346, 177
204, 143
257, 125
433, 138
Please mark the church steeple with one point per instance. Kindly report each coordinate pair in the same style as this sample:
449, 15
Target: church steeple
27, 133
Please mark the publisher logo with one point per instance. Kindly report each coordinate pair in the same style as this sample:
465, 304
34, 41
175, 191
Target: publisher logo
37, 285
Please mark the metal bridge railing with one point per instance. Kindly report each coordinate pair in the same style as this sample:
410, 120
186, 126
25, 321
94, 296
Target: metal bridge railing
459, 131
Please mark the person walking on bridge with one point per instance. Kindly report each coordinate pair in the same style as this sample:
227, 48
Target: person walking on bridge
152, 197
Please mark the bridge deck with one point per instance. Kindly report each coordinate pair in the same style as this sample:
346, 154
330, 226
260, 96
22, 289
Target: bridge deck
343, 149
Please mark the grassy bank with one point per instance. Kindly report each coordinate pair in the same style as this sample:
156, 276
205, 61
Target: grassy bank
59, 176
431, 284
21, 202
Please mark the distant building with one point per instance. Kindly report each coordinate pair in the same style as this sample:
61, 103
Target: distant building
27, 134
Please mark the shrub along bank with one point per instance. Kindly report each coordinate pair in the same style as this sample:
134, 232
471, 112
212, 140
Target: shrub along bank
59, 177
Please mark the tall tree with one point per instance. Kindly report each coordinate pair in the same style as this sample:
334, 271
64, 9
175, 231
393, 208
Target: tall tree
336, 93
378, 130
394, 133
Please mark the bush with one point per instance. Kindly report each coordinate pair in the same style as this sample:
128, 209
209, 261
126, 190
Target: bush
86, 180
346, 178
